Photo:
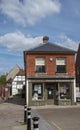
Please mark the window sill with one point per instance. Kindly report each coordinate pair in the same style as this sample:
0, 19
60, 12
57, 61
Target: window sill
37, 100
62, 73
40, 73
65, 99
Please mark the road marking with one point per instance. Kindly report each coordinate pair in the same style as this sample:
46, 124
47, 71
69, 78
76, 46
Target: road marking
53, 123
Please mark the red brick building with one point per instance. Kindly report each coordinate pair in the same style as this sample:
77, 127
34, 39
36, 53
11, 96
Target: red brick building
50, 75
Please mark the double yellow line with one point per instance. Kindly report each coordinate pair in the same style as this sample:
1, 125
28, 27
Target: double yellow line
54, 124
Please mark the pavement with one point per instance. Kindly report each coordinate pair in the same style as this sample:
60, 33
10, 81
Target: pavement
12, 115
19, 127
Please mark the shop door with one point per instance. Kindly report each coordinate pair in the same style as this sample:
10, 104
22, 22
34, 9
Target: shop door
50, 93
56, 95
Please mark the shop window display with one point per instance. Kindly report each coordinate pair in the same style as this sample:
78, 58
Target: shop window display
37, 92
64, 91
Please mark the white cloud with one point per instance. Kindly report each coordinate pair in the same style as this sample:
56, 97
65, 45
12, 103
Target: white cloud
67, 42
29, 11
17, 41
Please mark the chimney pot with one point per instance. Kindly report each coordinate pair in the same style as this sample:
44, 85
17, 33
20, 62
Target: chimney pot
45, 39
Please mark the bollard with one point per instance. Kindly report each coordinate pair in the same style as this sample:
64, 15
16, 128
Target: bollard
35, 123
28, 118
25, 113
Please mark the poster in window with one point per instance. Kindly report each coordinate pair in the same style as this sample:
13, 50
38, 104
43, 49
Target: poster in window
35, 88
50, 92
39, 90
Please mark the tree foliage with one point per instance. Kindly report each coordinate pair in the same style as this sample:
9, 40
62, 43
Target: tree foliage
2, 80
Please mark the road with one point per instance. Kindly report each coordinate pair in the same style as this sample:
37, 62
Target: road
62, 118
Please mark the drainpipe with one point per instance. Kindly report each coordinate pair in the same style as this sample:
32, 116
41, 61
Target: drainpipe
74, 82
27, 93
26, 80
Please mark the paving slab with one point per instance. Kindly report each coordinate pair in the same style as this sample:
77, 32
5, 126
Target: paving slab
23, 127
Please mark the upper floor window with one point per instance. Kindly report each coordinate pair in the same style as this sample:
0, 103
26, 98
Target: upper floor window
40, 65
19, 82
61, 65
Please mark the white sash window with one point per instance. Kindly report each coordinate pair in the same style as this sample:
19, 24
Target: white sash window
40, 65
61, 65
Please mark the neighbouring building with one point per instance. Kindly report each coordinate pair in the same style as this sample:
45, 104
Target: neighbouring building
78, 67
15, 80
78, 74
50, 75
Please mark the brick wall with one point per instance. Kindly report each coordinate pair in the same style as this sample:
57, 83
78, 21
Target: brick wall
50, 65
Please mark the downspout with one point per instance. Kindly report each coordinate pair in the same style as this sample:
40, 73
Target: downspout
74, 82
27, 92
26, 80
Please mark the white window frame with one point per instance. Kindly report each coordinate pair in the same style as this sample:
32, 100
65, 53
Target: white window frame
40, 62
61, 62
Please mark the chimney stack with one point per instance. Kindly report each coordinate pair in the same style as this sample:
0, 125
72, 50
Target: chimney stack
45, 39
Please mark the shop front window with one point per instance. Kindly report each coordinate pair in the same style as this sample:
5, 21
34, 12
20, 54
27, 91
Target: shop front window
64, 91
37, 92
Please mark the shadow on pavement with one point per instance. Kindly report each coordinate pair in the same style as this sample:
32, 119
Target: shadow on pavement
17, 99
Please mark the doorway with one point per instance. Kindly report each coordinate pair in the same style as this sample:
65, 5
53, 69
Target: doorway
52, 92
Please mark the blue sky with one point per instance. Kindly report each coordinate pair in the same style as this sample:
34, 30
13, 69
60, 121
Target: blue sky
23, 23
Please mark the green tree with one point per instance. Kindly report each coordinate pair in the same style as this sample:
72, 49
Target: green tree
2, 80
